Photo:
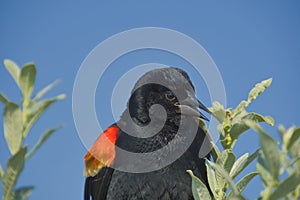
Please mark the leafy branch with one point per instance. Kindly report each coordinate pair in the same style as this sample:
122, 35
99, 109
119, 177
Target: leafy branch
18, 119
272, 162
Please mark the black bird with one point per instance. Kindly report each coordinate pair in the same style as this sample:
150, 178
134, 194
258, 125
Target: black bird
111, 175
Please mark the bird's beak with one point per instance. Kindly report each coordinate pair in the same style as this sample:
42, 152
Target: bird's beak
190, 106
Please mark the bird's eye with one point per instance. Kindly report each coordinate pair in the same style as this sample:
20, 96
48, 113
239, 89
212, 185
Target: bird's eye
169, 95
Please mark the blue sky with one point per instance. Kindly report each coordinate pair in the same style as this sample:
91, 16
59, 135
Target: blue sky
248, 41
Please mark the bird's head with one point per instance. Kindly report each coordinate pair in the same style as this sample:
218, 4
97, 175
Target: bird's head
169, 87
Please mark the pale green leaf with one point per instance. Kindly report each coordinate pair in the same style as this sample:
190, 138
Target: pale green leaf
211, 176
1, 172
43, 138
264, 170
286, 186
240, 126
38, 109
13, 69
3, 98
215, 152
258, 89
237, 164
226, 159
46, 89
294, 137
13, 169
245, 164
26, 80
23, 193
224, 174
218, 111
243, 182
12, 118
200, 192
295, 149
281, 130
270, 150
239, 109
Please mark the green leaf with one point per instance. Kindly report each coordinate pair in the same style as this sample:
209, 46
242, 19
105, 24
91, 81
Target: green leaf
225, 175
12, 118
211, 176
43, 138
294, 137
23, 193
46, 89
1, 172
286, 186
241, 184
245, 164
199, 189
38, 109
254, 92
258, 89
226, 159
281, 130
264, 170
3, 98
270, 150
26, 80
218, 111
240, 108
240, 126
295, 149
13, 169
237, 164
215, 152
13, 69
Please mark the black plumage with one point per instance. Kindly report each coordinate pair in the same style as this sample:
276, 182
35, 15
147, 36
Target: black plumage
172, 89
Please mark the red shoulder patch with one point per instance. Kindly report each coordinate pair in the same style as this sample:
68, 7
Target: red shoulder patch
102, 153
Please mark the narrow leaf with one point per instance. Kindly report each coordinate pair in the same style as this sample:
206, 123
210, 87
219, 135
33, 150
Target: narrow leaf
1, 172
264, 170
241, 184
270, 150
241, 126
43, 138
13, 169
212, 179
46, 89
3, 98
226, 159
199, 189
245, 164
240, 108
23, 193
215, 152
294, 137
13, 69
258, 89
237, 164
281, 130
26, 80
286, 186
37, 110
225, 175
12, 118
218, 111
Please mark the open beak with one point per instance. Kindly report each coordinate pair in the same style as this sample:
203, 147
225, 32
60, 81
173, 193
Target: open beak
190, 106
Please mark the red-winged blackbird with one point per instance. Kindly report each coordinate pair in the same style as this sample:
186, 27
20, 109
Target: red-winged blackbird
172, 89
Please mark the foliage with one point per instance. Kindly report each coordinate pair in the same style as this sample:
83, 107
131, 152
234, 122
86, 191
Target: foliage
272, 162
17, 122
